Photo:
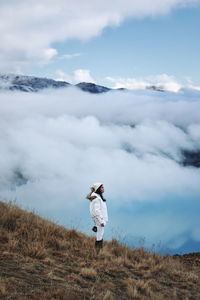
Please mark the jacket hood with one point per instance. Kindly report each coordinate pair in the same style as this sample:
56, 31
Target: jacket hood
96, 185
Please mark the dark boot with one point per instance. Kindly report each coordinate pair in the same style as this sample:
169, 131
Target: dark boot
98, 246
101, 244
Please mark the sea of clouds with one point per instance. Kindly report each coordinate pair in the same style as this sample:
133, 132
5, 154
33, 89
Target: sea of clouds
56, 143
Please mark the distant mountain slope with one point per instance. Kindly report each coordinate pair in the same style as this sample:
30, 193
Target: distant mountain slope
92, 88
29, 83
41, 260
34, 84
191, 158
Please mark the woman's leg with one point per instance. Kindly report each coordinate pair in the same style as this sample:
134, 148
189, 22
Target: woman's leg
100, 233
99, 238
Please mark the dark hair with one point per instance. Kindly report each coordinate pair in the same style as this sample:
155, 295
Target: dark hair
100, 194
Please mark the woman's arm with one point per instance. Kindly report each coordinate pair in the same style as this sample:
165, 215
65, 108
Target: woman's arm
89, 197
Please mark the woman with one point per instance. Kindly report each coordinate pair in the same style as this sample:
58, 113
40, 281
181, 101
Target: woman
98, 211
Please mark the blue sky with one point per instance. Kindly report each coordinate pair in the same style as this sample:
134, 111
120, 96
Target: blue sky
150, 46
138, 48
131, 41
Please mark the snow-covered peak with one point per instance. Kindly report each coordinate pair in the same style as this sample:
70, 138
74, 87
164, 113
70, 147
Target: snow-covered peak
34, 84
28, 83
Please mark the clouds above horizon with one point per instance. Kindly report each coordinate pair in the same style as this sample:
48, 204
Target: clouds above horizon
62, 141
74, 77
29, 29
163, 81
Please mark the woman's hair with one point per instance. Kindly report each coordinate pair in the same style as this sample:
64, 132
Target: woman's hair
100, 194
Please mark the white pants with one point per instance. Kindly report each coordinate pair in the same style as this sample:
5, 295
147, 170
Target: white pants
100, 232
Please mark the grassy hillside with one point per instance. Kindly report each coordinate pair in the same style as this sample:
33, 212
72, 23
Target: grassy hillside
41, 260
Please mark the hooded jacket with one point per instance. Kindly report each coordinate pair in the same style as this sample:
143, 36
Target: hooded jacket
98, 210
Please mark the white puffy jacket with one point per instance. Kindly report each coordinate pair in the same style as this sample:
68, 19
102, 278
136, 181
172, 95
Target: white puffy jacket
98, 210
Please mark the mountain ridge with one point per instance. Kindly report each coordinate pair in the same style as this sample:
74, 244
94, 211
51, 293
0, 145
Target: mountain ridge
26, 83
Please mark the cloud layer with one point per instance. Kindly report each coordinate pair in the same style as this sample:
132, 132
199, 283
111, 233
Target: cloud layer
29, 29
162, 81
74, 77
55, 144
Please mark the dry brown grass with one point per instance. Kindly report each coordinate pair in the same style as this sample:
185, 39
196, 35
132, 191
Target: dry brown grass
41, 260
2, 287
88, 272
108, 295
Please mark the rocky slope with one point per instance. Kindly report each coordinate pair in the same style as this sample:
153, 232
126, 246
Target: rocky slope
34, 84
